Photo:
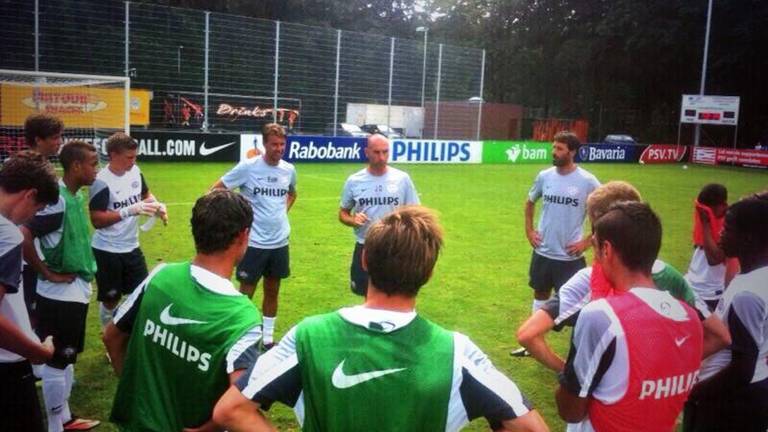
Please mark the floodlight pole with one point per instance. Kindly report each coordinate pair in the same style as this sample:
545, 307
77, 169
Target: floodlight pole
37, 35
697, 134
336, 91
206, 88
277, 70
423, 76
391, 69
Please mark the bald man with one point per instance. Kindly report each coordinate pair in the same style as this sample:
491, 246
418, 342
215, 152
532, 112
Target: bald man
368, 195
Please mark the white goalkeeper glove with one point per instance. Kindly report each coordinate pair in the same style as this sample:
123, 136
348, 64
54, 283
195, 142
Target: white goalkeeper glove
146, 208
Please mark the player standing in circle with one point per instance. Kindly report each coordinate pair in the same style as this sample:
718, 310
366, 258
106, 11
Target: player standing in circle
634, 355
558, 242
186, 333
732, 393
27, 183
117, 197
64, 280
43, 134
380, 365
709, 271
368, 195
269, 183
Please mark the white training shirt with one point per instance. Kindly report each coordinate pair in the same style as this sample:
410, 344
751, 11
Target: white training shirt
563, 210
707, 281
744, 308
377, 196
47, 226
266, 187
111, 192
12, 306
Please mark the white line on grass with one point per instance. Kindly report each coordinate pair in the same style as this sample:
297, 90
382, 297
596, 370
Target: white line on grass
177, 204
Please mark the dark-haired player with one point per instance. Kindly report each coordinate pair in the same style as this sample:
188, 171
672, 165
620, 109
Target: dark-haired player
558, 242
185, 333
27, 183
634, 355
64, 280
732, 393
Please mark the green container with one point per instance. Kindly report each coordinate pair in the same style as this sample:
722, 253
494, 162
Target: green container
516, 152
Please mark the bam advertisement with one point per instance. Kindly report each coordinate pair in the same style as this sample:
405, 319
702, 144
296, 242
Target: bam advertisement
77, 107
516, 152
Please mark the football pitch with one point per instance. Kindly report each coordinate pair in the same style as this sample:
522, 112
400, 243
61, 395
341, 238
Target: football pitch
479, 286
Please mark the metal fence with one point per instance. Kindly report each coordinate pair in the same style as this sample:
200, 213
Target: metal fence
215, 71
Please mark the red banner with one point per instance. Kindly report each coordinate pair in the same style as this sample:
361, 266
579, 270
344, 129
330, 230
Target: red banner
716, 156
750, 158
663, 153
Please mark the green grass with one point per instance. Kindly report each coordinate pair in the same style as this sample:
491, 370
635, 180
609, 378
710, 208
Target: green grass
480, 283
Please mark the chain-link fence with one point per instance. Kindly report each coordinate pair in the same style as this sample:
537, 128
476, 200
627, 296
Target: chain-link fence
215, 71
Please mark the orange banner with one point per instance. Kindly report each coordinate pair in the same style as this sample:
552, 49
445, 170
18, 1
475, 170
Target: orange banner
77, 107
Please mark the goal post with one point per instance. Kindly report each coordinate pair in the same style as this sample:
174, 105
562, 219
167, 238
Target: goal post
92, 107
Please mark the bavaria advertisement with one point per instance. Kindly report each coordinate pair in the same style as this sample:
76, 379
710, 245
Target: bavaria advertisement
608, 153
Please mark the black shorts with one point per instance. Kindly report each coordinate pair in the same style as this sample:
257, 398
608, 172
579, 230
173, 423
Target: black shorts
19, 405
546, 273
65, 321
272, 263
744, 411
358, 278
29, 280
118, 273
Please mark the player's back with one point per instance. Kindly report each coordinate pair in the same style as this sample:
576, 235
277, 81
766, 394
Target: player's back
384, 377
663, 338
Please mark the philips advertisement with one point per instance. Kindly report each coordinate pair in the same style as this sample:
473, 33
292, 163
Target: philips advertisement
185, 146
609, 153
434, 151
300, 148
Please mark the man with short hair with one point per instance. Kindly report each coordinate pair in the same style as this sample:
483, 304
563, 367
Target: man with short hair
708, 271
635, 354
64, 289
42, 132
732, 392
186, 333
27, 184
269, 183
368, 195
589, 284
558, 243
117, 197
380, 366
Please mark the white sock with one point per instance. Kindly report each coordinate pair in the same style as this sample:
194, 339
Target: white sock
105, 315
54, 388
37, 370
269, 329
537, 304
69, 380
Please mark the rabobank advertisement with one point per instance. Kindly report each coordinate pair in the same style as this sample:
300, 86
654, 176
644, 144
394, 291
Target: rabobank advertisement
435, 151
300, 148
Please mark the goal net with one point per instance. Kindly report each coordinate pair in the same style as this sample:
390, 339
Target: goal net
92, 107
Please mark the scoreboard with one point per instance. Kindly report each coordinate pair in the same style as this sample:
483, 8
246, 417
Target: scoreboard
718, 110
